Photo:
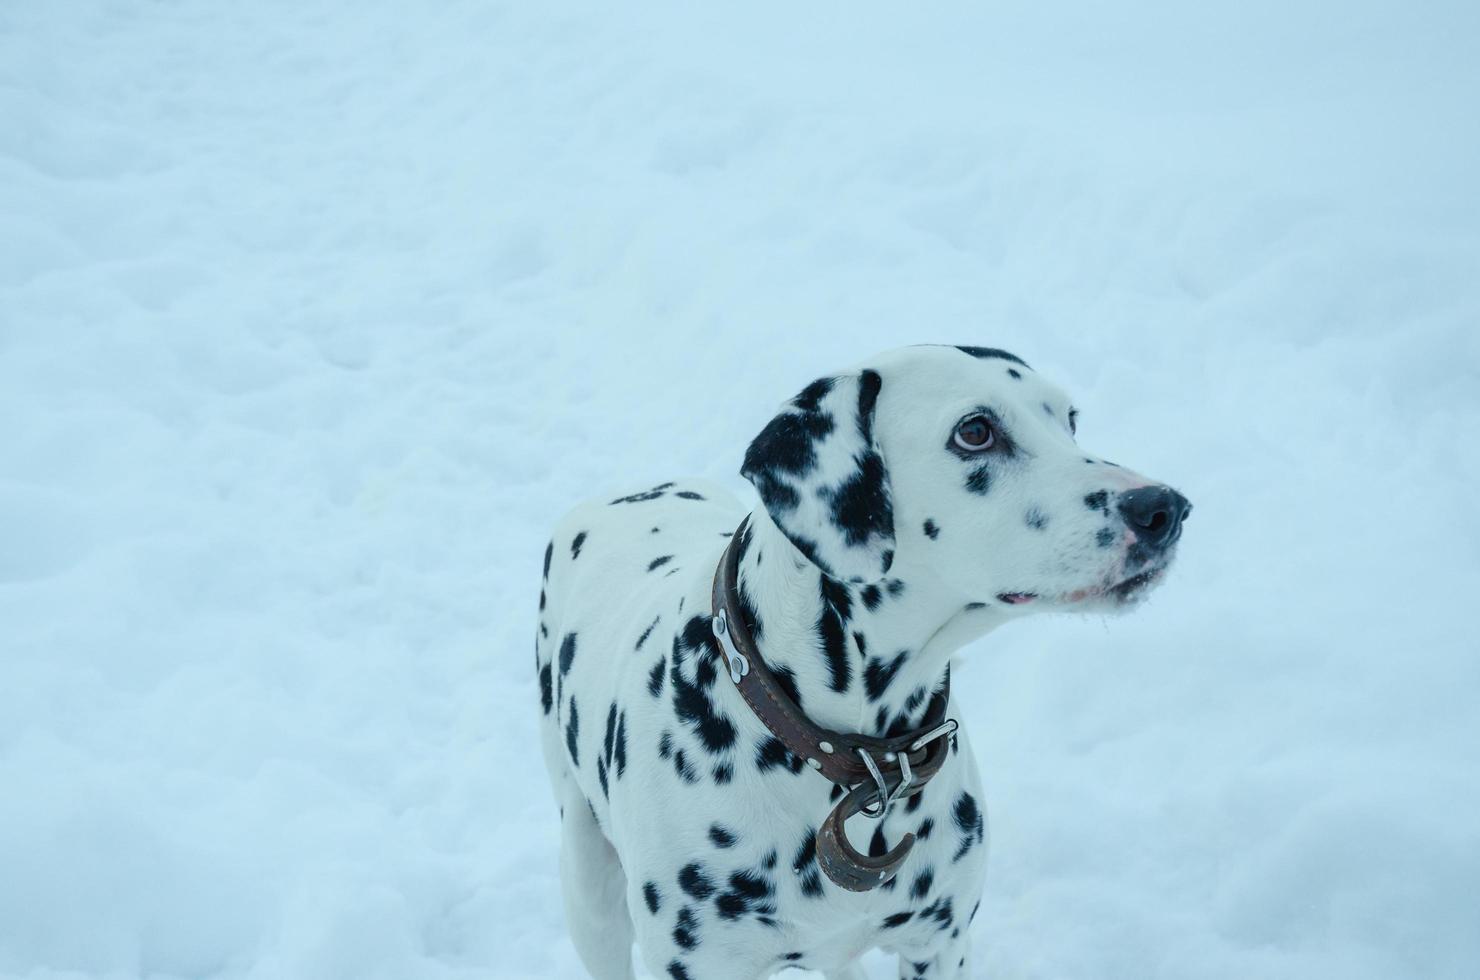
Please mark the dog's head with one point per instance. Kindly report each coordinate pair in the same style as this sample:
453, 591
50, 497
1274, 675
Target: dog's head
964, 459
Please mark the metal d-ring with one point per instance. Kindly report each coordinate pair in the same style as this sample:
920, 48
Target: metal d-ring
883, 797
879, 805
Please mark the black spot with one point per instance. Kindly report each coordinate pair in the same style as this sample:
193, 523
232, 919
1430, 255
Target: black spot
831, 625
549, 553
940, 911
685, 930
805, 866
1099, 500
1035, 519
1014, 374
655, 678
988, 353
685, 771
861, 508
898, 726
692, 704
723, 773
806, 546
748, 892
651, 895
871, 595
979, 480
879, 673
697, 636
932, 531
788, 445
609, 740
792, 957
922, 884
913, 803
811, 396
720, 837
546, 693
659, 562
665, 745
835, 794
969, 824
869, 384
575, 545
786, 679
877, 846
652, 494
772, 754
572, 731
621, 751
1104, 537
926, 827
677, 972
567, 653
689, 495
693, 880
895, 587
601, 776
645, 633
1048, 409
898, 919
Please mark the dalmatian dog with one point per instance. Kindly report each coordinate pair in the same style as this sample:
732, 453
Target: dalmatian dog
908, 506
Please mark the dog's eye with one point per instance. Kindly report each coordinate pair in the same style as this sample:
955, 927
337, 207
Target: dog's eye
975, 434
1073, 421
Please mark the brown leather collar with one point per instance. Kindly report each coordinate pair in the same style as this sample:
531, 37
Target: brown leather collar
875, 771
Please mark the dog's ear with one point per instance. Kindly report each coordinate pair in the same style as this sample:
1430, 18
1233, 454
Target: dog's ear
822, 478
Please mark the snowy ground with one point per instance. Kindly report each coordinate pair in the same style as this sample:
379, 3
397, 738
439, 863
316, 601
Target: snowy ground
314, 316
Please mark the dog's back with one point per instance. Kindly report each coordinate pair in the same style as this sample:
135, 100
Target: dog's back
639, 554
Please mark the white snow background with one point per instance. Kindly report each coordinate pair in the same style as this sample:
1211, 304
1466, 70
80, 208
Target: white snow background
314, 317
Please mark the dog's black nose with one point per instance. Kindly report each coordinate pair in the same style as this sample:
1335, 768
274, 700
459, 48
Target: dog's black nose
1154, 514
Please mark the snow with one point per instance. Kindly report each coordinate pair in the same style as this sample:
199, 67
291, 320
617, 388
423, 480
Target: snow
315, 316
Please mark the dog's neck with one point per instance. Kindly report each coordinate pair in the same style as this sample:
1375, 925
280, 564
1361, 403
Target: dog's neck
862, 658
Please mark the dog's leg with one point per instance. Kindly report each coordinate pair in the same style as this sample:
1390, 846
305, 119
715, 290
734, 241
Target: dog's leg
950, 963
595, 888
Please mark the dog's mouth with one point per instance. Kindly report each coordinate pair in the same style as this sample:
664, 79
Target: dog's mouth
1136, 587
1122, 593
